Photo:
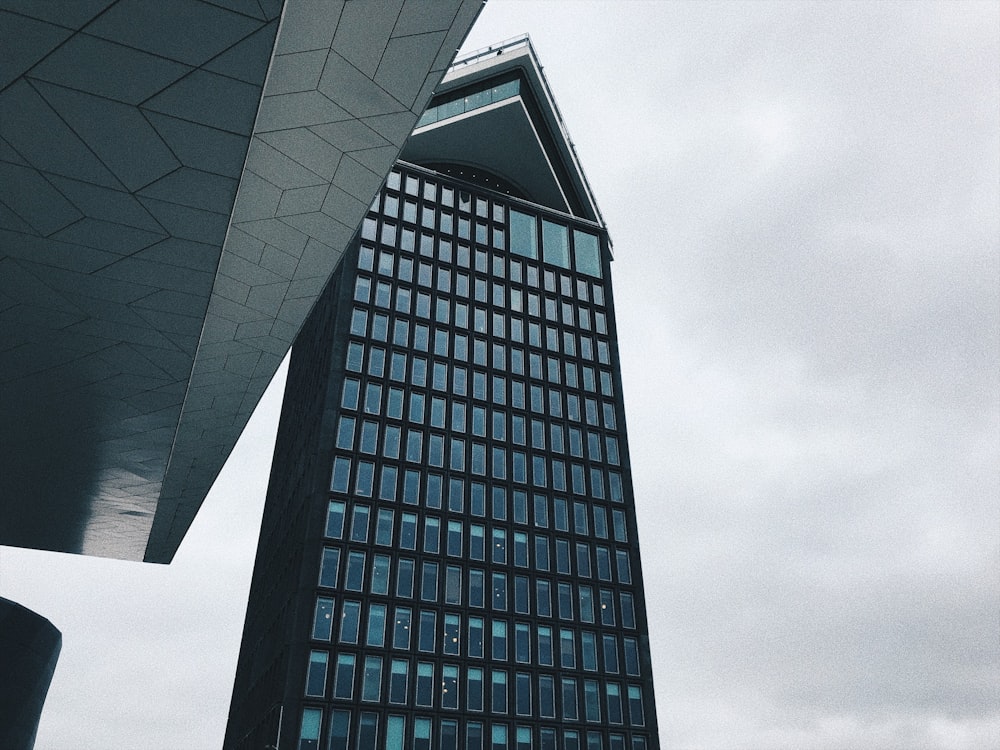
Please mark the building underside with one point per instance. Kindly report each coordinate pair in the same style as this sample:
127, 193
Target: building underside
178, 181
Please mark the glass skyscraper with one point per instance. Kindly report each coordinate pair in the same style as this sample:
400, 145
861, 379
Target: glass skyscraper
449, 558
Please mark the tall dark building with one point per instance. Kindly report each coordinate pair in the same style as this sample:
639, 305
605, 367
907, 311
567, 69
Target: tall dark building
449, 557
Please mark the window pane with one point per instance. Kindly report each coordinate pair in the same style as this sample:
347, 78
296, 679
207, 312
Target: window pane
523, 234
344, 681
350, 622
323, 619
340, 725
312, 719
555, 244
371, 685
588, 253
316, 674
375, 635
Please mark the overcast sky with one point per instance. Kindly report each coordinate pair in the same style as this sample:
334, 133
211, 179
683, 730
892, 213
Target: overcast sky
804, 203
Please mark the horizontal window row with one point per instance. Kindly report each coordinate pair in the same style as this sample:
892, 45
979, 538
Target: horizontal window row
455, 348
374, 730
496, 462
476, 542
459, 416
403, 628
492, 386
545, 471
452, 105
448, 536
457, 586
376, 679
389, 263
461, 454
445, 251
507, 303
531, 236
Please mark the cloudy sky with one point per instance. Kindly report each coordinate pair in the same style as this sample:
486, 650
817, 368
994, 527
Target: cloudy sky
804, 203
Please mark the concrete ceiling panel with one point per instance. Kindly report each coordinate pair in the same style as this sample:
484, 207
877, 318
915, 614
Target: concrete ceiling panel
419, 18
317, 256
248, 59
308, 150
282, 263
357, 179
267, 298
341, 205
374, 158
13, 222
349, 135
188, 31
25, 41
301, 200
309, 25
272, 8
41, 137
103, 235
284, 111
176, 252
192, 187
353, 90
66, 283
276, 233
140, 270
320, 225
281, 169
394, 127
299, 71
188, 223
55, 254
293, 310
117, 133
244, 245
364, 31
102, 203
8, 154
169, 322
69, 13
404, 65
209, 99
231, 289
114, 331
254, 329
179, 303
34, 200
308, 287
258, 197
198, 146
247, 7
103, 68
249, 273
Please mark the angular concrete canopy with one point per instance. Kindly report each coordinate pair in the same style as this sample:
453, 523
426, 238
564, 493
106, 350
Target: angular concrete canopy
178, 180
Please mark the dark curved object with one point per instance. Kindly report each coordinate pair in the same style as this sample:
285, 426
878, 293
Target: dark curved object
29, 649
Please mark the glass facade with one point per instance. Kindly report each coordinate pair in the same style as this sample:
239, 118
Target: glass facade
448, 556
478, 583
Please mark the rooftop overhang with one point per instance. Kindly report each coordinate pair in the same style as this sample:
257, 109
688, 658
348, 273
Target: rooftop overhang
178, 181
513, 149
521, 139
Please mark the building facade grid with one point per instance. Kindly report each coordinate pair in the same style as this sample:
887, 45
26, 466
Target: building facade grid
476, 580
